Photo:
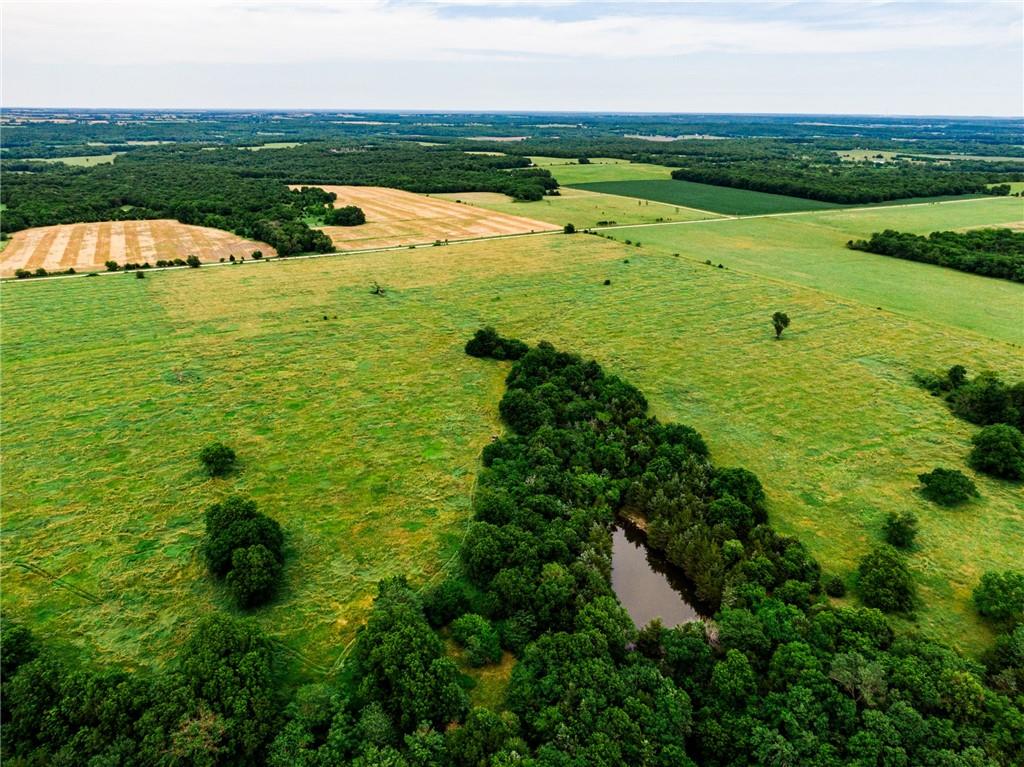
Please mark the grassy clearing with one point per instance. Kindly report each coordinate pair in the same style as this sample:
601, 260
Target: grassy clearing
719, 199
581, 208
273, 145
360, 434
85, 161
571, 173
810, 249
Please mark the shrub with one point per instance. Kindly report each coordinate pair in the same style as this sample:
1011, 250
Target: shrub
348, 215
885, 582
947, 487
254, 576
999, 451
901, 529
1000, 596
569, 229
111, 266
140, 275
41, 272
217, 458
780, 320
835, 587
257, 255
22, 274
478, 637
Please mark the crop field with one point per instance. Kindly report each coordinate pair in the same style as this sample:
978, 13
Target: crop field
581, 208
719, 199
394, 217
86, 247
810, 249
366, 452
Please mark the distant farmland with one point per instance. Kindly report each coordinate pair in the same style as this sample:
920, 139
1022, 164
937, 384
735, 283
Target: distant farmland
718, 199
732, 201
85, 247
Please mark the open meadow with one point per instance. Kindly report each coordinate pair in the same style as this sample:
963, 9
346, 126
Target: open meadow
360, 432
810, 249
581, 208
86, 247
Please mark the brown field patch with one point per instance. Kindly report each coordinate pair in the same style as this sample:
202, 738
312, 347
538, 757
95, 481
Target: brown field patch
86, 247
394, 217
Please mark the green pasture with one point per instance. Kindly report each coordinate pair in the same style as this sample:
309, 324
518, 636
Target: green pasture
810, 249
734, 202
571, 173
719, 199
360, 433
581, 208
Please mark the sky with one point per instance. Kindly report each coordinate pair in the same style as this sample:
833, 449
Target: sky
866, 57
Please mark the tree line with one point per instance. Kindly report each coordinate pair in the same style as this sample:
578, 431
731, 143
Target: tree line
989, 252
842, 182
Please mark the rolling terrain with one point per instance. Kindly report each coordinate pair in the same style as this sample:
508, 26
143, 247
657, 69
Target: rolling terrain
367, 450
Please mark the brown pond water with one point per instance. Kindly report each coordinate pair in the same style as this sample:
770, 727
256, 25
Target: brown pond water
646, 585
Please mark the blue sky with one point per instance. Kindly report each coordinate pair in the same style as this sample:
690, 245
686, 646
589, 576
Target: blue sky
865, 57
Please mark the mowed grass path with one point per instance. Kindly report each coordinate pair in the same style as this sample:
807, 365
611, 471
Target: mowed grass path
810, 249
581, 208
360, 434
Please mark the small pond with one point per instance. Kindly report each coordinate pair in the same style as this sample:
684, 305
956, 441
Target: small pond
646, 585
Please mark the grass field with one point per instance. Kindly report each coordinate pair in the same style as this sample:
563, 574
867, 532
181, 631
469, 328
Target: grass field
810, 249
86, 247
360, 432
581, 208
273, 145
394, 217
571, 173
85, 161
719, 199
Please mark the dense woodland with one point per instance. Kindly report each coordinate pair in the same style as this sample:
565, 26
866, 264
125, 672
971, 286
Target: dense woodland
779, 677
246, 192
990, 252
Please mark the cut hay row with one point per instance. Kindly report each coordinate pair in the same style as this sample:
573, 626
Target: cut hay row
395, 217
85, 247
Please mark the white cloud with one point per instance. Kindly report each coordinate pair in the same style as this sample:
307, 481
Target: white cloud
373, 30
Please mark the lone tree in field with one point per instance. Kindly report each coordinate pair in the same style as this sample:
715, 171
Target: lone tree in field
780, 321
245, 547
192, 261
218, 459
569, 229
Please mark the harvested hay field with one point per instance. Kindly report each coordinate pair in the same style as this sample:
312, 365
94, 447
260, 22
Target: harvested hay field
86, 247
394, 217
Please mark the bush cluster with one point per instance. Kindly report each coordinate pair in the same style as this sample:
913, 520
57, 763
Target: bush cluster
348, 215
947, 487
487, 343
246, 548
